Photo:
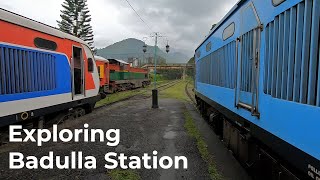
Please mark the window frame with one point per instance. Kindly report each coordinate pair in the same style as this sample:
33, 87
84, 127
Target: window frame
234, 29
90, 65
209, 48
198, 54
36, 43
277, 4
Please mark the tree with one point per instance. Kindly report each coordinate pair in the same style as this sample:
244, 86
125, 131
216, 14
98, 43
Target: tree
75, 20
191, 61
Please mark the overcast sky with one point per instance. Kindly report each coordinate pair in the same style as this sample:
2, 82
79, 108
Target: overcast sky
184, 22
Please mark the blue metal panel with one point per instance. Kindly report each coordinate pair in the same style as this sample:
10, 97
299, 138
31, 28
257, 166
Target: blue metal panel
249, 20
20, 71
16, 71
38, 71
313, 54
46, 64
266, 62
40, 84
270, 59
50, 73
245, 63
250, 62
25, 76
12, 69
42, 73
292, 45
275, 56
305, 52
233, 68
297, 68
285, 55
225, 64
29, 73
280, 56
8, 72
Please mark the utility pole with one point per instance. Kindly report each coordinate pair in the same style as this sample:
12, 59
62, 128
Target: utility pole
155, 90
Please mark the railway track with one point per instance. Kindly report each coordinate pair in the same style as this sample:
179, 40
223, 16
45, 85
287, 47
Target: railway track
189, 94
160, 88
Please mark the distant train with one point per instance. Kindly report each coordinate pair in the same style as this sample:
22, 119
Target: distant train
117, 75
43, 71
258, 82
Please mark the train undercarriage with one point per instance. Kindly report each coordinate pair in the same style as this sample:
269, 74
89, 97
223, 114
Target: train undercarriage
260, 161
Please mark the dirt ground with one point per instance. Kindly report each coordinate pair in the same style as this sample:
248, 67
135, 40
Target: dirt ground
143, 130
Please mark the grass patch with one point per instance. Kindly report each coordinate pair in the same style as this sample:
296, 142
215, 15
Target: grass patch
177, 92
119, 174
202, 146
111, 98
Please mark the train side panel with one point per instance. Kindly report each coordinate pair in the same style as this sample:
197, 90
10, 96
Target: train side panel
36, 70
287, 36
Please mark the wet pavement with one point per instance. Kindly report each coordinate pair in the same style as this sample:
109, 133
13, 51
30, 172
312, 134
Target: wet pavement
143, 130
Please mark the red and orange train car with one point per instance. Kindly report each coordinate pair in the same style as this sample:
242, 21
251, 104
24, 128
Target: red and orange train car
43, 71
118, 75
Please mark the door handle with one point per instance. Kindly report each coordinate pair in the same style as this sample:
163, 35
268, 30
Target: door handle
256, 61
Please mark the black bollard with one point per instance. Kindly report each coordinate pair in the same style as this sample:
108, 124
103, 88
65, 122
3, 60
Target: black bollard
155, 99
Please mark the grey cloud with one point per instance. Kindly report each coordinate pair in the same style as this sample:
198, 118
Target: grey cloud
185, 22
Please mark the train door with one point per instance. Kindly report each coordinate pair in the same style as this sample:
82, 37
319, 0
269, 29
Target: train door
248, 47
77, 71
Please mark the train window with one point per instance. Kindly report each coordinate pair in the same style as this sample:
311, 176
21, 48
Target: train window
45, 44
277, 2
208, 47
90, 65
99, 71
228, 31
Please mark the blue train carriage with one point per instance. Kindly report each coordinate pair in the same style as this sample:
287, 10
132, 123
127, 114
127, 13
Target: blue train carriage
259, 68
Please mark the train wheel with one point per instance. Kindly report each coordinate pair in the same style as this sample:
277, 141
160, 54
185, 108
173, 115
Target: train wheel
79, 112
89, 108
61, 117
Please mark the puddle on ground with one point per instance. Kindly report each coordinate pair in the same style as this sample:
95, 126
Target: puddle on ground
121, 148
170, 135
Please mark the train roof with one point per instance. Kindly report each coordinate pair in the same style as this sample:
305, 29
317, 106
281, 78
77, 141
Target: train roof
17, 19
234, 8
101, 58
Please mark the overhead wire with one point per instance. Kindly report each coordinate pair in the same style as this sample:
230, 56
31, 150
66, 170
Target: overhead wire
139, 16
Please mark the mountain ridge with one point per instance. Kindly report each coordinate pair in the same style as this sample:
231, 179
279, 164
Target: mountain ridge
132, 48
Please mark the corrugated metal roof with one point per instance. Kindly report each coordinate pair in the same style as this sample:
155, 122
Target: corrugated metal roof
101, 58
11, 17
121, 61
